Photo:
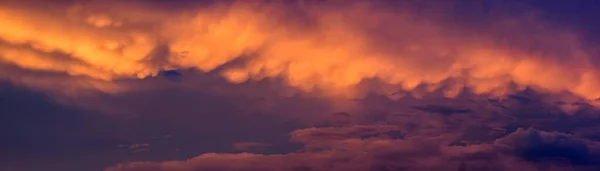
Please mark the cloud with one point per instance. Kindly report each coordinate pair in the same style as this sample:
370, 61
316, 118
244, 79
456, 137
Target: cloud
534, 145
522, 149
188, 67
180, 124
138, 148
386, 134
330, 46
342, 155
526, 137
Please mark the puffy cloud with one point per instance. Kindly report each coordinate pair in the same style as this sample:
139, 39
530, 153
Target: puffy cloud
331, 46
225, 60
112, 52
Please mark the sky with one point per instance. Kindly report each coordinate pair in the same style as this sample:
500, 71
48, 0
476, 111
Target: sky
314, 85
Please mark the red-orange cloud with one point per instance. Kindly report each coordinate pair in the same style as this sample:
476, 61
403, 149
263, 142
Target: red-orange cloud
331, 46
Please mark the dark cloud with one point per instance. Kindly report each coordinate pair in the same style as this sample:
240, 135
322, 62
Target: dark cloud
482, 139
445, 110
378, 154
538, 146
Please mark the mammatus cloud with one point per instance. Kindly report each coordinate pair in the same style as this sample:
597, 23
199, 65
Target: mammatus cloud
331, 46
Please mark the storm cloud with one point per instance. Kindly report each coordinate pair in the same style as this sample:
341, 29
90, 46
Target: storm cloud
299, 85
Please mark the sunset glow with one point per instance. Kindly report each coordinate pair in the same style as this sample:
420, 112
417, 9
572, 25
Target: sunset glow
332, 46
306, 85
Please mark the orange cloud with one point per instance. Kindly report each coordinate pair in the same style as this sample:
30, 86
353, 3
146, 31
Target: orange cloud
330, 46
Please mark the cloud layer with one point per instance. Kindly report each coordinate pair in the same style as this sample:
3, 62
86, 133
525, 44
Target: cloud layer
518, 151
189, 77
330, 46
520, 133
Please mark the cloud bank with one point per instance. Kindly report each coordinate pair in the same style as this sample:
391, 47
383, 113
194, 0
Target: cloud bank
444, 134
313, 45
179, 74
388, 154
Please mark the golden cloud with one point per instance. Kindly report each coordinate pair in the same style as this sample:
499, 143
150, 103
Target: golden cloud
330, 45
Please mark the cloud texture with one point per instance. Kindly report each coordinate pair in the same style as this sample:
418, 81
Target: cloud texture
330, 45
358, 85
523, 136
